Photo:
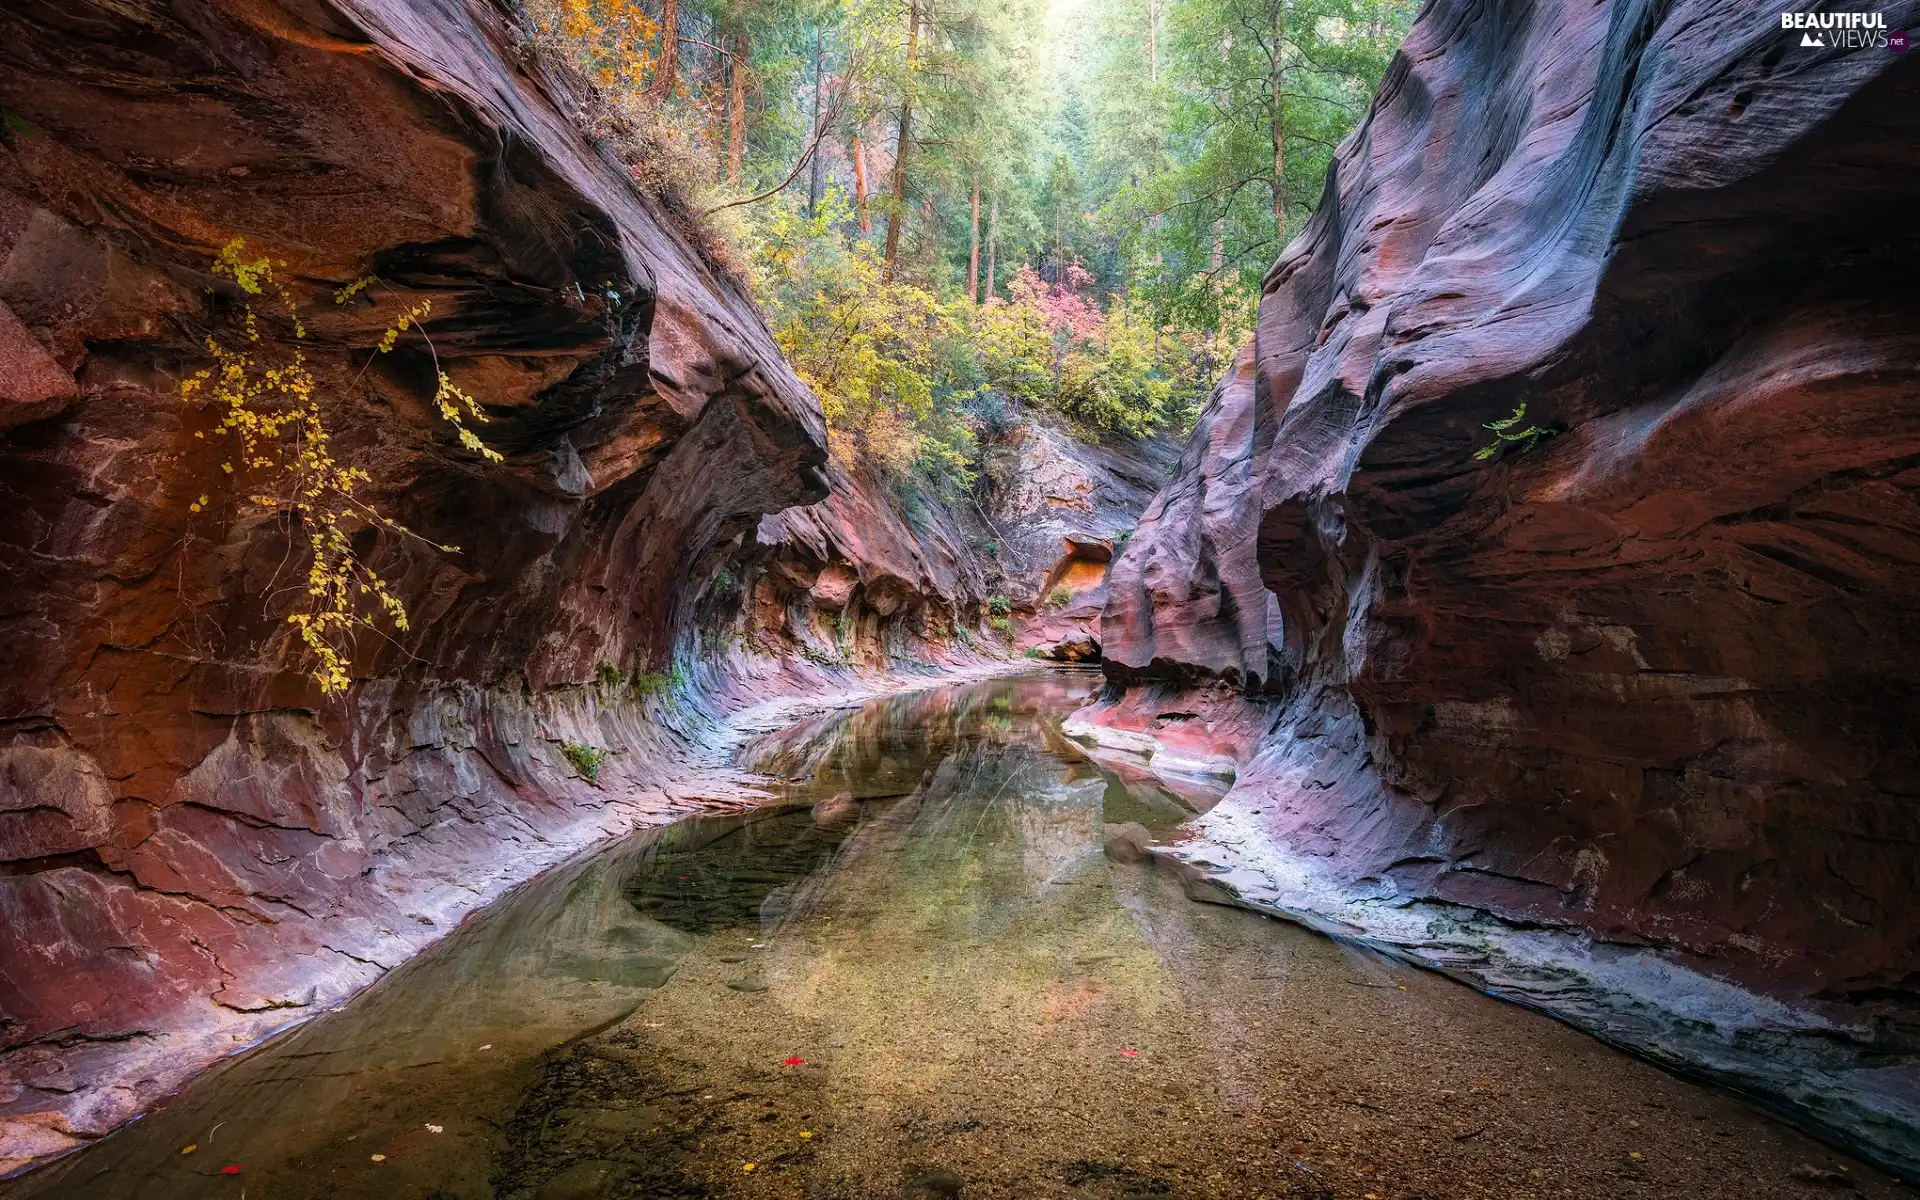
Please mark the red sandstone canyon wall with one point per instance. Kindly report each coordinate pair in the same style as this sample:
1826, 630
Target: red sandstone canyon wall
1652, 685
197, 845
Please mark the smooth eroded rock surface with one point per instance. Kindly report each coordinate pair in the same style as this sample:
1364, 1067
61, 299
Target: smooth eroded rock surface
197, 846
1651, 684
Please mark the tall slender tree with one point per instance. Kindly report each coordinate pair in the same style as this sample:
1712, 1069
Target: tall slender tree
896, 213
993, 245
857, 151
973, 244
667, 66
816, 179
740, 48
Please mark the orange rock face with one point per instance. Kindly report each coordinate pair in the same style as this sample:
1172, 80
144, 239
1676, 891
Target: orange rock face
1651, 680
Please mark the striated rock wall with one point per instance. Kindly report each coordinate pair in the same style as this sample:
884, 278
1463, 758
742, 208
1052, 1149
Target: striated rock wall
1055, 508
196, 845
858, 580
1187, 602
1651, 689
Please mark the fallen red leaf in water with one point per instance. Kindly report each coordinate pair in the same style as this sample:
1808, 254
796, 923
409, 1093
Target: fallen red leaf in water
795, 1061
232, 1170
1131, 1053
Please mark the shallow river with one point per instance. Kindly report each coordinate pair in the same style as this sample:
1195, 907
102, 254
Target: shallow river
920, 976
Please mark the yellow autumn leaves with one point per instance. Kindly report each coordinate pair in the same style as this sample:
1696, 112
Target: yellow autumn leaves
612, 40
273, 407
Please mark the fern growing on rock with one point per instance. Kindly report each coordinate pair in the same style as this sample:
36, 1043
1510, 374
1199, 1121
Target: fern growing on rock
585, 759
1507, 433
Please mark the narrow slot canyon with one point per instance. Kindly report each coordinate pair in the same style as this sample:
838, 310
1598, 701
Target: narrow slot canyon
666, 598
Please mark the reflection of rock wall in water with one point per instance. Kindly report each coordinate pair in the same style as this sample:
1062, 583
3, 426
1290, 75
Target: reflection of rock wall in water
450, 1037
1652, 682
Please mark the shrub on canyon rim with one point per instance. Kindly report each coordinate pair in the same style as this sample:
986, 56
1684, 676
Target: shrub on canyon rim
271, 404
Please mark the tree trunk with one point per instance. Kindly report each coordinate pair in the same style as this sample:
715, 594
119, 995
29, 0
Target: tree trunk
973, 245
1153, 41
1219, 244
993, 245
1059, 242
897, 214
666, 73
858, 153
816, 178
736, 109
1279, 174
1279, 120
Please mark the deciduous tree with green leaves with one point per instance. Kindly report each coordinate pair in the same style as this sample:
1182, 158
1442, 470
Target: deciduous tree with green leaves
954, 210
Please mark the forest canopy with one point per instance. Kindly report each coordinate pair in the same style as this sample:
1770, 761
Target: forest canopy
954, 211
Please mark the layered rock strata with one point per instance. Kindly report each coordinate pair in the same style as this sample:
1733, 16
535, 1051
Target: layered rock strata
1055, 508
1621, 720
196, 844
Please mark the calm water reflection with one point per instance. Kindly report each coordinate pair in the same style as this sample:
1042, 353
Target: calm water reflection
916, 975
957, 818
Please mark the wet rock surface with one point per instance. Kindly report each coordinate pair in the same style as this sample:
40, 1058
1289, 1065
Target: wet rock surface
1618, 723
